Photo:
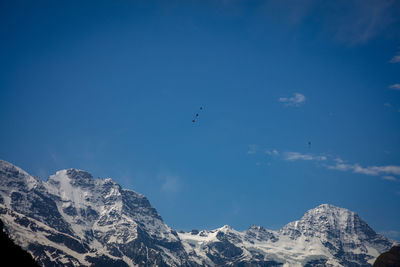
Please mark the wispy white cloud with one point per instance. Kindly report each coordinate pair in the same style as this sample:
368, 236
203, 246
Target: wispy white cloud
351, 22
42, 173
338, 160
369, 170
361, 21
395, 59
252, 149
395, 86
389, 178
387, 105
296, 100
387, 172
272, 152
292, 156
170, 183
391, 234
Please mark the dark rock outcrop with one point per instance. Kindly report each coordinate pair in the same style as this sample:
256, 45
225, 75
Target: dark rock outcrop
389, 259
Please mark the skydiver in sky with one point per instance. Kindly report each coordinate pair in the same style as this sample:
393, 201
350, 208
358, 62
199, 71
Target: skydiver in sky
197, 115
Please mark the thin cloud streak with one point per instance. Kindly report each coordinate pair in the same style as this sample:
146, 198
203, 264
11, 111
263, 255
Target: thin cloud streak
395, 86
349, 22
296, 100
391, 234
395, 59
370, 170
169, 183
389, 178
272, 152
388, 172
292, 156
252, 149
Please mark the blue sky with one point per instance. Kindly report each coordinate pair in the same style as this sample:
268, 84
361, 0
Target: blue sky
112, 87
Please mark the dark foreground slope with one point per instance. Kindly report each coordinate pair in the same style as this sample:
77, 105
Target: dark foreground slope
12, 253
389, 259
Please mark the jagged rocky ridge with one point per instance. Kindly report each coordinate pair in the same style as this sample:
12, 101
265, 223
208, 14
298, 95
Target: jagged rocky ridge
73, 219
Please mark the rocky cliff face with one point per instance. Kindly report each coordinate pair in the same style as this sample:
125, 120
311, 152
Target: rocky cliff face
324, 236
73, 219
342, 232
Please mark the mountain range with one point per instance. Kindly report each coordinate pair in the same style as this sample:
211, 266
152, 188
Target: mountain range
73, 219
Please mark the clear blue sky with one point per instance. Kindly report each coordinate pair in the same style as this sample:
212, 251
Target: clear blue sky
112, 87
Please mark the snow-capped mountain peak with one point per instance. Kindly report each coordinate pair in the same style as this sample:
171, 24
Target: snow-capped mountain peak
330, 221
79, 220
332, 215
74, 219
16, 177
75, 177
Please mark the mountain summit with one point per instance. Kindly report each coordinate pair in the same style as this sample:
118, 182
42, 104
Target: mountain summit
73, 219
